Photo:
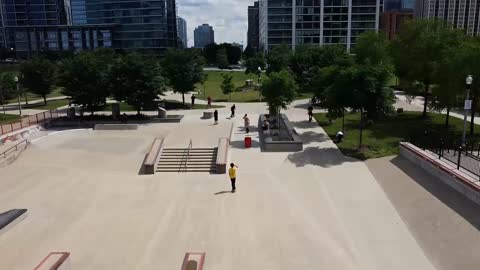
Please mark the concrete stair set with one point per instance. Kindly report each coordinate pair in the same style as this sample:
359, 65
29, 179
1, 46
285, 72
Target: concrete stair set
187, 160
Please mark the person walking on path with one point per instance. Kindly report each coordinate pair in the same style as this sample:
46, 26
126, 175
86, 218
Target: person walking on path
209, 101
246, 123
215, 117
310, 113
233, 111
232, 172
193, 100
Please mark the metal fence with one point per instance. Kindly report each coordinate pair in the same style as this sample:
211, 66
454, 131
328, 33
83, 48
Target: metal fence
30, 120
466, 157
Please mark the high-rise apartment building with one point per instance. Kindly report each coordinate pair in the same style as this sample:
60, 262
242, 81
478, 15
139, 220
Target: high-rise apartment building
143, 25
392, 21
253, 26
203, 35
463, 14
182, 32
35, 12
320, 22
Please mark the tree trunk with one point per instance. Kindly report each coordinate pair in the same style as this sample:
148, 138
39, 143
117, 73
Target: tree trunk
183, 98
26, 98
343, 120
138, 111
425, 97
447, 117
45, 99
361, 129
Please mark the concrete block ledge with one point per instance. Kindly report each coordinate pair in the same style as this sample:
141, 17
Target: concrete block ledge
153, 156
222, 156
447, 173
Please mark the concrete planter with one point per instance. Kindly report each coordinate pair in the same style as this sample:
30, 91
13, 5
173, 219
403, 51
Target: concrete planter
289, 140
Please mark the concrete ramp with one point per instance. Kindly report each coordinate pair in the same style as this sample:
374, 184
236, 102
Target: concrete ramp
10, 218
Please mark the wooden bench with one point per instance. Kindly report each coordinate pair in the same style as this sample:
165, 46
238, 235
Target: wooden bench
152, 157
222, 155
193, 261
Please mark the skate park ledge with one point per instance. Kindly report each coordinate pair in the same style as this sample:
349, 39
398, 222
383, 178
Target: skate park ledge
152, 156
445, 172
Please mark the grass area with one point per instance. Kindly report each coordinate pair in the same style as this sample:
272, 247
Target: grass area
51, 105
214, 80
8, 118
55, 93
124, 107
382, 137
169, 105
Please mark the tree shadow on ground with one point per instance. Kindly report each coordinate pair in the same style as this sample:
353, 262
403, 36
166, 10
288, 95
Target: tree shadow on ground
450, 197
305, 124
323, 157
310, 136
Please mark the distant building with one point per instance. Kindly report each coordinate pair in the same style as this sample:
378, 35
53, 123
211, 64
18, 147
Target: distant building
182, 32
463, 14
253, 26
203, 35
316, 22
392, 20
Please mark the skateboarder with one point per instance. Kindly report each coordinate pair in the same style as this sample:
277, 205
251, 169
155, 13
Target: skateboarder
209, 101
215, 116
310, 113
193, 100
233, 111
246, 122
232, 172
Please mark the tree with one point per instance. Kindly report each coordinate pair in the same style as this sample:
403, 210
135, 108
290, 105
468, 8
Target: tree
85, 79
136, 79
227, 85
234, 53
279, 90
278, 58
252, 64
249, 52
417, 51
210, 53
7, 88
372, 48
183, 69
222, 60
38, 76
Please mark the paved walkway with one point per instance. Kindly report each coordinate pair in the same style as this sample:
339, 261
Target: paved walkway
444, 223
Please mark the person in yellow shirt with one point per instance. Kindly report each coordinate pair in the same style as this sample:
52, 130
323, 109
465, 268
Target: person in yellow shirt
232, 172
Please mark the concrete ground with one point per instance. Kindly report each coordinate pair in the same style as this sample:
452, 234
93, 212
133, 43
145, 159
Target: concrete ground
445, 224
314, 209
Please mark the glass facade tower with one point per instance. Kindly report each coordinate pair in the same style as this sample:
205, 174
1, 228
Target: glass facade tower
319, 22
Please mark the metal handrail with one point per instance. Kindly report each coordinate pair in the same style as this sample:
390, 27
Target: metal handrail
186, 157
4, 154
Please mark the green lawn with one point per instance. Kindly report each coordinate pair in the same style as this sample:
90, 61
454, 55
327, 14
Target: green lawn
382, 137
169, 104
51, 105
214, 80
8, 118
55, 93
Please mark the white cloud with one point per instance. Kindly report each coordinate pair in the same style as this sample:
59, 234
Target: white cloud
229, 18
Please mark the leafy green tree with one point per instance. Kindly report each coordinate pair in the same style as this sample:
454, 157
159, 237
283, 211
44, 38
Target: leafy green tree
227, 85
252, 64
249, 52
222, 60
279, 90
7, 87
418, 50
278, 58
210, 53
137, 80
372, 48
38, 76
85, 78
183, 69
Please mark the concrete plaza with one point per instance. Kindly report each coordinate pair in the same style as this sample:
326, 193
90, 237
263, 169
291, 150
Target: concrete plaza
314, 209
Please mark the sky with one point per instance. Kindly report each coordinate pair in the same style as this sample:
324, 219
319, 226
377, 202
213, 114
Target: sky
229, 18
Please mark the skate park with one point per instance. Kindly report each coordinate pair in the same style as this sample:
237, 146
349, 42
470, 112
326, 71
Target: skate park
314, 208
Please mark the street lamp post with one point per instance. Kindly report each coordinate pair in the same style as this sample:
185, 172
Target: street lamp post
18, 95
467, 107
259, 74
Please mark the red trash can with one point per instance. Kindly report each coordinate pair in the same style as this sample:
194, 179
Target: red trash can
248, 142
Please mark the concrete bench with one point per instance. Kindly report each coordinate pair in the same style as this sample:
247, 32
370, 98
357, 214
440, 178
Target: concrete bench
222, 155
207, 115
193, 261
115, 127
151, 160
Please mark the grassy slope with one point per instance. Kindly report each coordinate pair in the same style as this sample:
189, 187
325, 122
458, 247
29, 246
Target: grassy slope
8, 118
383, 136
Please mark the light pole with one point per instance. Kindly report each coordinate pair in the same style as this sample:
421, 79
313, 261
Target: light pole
18, 95
468, 106
259, 74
